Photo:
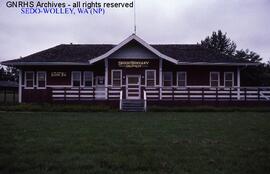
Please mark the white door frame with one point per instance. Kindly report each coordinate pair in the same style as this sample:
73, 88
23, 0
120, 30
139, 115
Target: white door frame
139, 87
96, 81
100, 90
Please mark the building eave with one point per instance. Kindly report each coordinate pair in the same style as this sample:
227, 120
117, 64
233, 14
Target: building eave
218, 64
42, 63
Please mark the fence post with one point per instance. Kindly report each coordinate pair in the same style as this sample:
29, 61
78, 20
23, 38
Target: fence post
230, 94
160, 93
173, 93
188, 93
65, 95
259, 94
245, 89
79, 93
202, 95
107, 91
216, 94
94, 93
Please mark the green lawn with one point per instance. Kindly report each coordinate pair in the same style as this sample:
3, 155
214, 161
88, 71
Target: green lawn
197, 143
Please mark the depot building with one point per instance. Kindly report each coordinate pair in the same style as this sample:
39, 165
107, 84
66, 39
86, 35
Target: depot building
131, 70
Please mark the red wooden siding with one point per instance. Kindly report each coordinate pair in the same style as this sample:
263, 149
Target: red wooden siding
153, 65
199, 75
196, 75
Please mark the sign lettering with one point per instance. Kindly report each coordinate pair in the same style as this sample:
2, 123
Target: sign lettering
58, 74
133, 64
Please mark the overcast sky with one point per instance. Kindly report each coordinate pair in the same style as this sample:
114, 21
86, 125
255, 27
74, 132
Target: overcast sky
158, 21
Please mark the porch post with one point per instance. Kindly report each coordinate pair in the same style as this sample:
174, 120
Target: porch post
238, 83
160, 78
106, 78
20, 87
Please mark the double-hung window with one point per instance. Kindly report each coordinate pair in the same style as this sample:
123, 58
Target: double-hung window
76, 78
167, 79
182, 79
214, 79
41, 79
88, 79
228, 79
29, 79
116, 78
150, 78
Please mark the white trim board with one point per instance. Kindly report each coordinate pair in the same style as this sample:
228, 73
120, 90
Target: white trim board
210, 78
121, 77
72, 78
43, 63
177, 76
145, 77
224, 78
25, 80
217, 64
171, 74
134, 88
90, 61
37, 80
84, 79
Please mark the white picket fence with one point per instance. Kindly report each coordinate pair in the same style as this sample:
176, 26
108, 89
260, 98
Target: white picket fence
220, 94
165, 93
85, 94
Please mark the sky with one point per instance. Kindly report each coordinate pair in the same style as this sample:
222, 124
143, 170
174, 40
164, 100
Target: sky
158, 22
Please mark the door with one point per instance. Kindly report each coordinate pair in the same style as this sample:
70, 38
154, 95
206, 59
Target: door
100, 92
133, 87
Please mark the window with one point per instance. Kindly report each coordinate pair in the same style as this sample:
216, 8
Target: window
29, 79
76, 78
181, 79
41, 79
167, 78
88, 79
228, 79
150, 77
214, 79
117, 78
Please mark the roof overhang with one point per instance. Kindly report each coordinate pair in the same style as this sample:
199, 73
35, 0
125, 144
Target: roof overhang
41, 63
217, 64
126, 41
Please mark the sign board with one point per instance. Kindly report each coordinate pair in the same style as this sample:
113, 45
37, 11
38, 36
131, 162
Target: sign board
133, 64
58, 74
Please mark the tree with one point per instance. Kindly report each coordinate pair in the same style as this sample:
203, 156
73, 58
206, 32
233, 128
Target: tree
9, 74
248, 55
2, 73
220, 42
12, 74
251, 76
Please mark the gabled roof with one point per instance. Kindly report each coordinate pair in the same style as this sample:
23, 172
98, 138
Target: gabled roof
85, 54
139, 40
63, 54
195, 53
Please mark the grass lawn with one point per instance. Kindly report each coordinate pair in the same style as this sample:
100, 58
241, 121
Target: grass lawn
217, 142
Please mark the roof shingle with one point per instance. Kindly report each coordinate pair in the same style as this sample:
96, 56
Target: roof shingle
82, 53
